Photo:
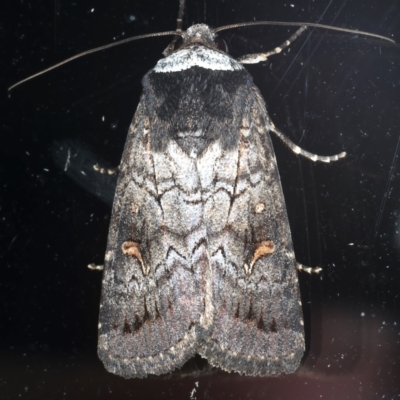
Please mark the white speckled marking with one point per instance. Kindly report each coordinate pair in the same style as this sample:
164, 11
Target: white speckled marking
108, 255
199, 56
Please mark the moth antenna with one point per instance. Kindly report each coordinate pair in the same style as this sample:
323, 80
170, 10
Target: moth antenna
307, 24
95, 50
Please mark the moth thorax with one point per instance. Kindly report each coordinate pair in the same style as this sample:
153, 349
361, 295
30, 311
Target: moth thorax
199, 33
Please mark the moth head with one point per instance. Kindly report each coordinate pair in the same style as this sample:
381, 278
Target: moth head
197, 34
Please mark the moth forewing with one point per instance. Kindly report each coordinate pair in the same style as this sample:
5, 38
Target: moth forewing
258, 320
152, 299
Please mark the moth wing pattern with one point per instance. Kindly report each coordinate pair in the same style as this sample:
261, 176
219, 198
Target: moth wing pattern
199, 256
153, 290
258, 328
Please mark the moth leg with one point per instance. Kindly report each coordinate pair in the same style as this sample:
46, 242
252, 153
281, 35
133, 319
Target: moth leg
309, 270
298, 150
180, 15
106, 171
259, 57
179, 20
95, 267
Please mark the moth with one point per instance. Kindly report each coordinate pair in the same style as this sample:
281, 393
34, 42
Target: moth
199, 256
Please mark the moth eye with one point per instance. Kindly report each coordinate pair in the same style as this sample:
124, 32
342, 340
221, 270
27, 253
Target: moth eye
221, 44
178, 44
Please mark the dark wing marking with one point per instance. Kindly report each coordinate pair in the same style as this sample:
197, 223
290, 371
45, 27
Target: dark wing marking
157, 272
258, 318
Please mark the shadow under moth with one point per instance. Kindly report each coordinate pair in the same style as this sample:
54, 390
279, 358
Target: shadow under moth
199, 256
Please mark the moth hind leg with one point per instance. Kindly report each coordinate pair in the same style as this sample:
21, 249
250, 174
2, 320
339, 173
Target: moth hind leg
309, 270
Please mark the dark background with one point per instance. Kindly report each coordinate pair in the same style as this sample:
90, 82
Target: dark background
330, 92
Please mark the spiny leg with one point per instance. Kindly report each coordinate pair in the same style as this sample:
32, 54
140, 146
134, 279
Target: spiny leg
180, 15
298, 150
171, 47
259, 57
